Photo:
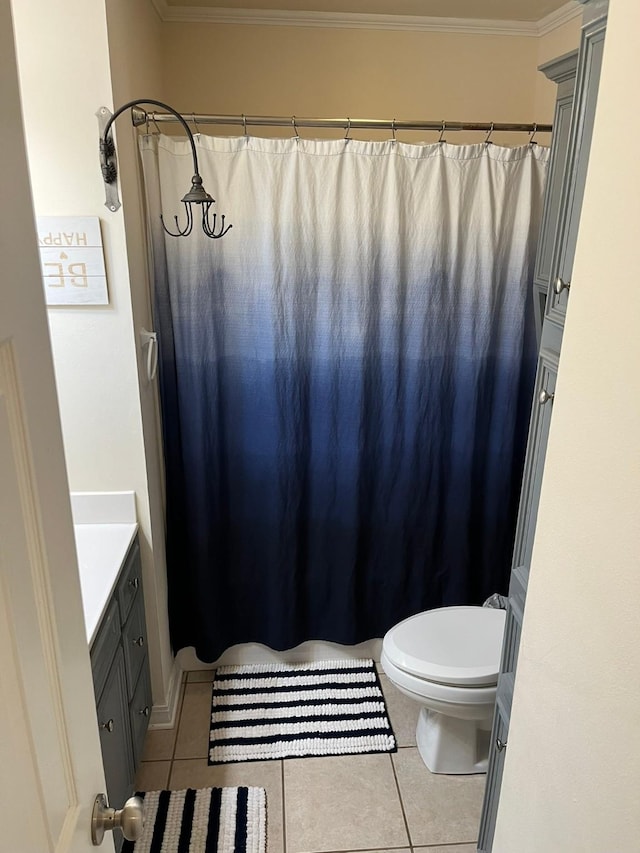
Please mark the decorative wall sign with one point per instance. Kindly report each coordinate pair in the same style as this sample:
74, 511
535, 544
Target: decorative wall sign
72, 261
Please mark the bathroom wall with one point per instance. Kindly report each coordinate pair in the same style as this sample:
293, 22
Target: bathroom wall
65, 76
556, 43
277, 70
572, 771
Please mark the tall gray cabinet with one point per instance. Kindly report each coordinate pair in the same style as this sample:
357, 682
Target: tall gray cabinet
577, 75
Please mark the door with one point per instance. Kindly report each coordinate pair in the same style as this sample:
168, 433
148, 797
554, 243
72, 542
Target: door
50, 764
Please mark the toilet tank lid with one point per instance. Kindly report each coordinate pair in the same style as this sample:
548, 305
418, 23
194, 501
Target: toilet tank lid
450, 645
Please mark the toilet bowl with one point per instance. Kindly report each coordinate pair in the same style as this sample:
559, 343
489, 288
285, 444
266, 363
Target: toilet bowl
448, 661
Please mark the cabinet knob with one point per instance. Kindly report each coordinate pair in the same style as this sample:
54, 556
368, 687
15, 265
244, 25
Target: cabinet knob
561, 285
129, 819
545, 396
134, 583
109, 725
145, 711
139, 641
500, 744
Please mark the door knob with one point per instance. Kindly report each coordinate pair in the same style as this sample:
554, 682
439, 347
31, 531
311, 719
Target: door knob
561, 285
128, 819
545, 396
500, 744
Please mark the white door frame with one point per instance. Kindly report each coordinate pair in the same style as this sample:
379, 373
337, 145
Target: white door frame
50, 760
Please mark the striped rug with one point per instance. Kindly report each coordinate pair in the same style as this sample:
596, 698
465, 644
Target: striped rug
207, 820
267, 711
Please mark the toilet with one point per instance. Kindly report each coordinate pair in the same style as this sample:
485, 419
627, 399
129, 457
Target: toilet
448, 660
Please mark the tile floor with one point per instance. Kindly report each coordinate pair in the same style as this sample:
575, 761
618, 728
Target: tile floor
376, 803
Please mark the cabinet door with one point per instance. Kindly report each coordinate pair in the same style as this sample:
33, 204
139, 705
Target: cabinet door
494, 779
115, 733
544, 392
134, 641
139, 710
582, 121
563, 72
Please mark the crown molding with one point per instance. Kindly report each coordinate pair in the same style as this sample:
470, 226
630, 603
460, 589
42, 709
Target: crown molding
563, 15
353, 20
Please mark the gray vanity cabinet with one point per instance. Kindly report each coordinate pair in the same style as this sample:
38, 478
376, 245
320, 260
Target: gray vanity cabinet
120, 667
574, 119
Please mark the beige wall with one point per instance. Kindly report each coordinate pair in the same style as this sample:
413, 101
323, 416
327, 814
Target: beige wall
351, 72
572, 771
556, 43
134, 34
95, 347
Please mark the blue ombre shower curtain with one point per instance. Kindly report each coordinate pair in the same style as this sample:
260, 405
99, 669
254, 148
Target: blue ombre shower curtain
346, 381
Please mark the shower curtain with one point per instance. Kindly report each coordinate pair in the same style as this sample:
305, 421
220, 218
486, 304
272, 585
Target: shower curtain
346, 381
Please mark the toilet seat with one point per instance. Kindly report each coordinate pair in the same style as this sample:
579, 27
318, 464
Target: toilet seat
458, 647
439, 695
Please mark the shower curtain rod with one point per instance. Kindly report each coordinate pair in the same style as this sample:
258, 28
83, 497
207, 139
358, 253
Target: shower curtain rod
140, 116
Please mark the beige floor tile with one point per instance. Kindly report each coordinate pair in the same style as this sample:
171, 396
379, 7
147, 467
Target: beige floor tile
342, 803
158, 744
403, 712
193, 731
152, 776
199, 675
439, 809
388, 850
262, 774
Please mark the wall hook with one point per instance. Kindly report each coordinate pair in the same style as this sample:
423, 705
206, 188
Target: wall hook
150, 340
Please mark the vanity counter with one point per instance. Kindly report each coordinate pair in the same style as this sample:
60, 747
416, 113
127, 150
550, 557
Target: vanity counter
102, 549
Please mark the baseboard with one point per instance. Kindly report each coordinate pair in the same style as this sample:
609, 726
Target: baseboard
165, 716
312, 650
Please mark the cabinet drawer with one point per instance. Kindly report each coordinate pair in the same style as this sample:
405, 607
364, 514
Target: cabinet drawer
139, 711
130, 581
104, 646
134, 642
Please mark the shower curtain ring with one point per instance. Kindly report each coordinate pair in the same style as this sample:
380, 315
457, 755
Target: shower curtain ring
487, 140
393, 131
295, 127
442, 130
244, 124
533, 133
346, 136
195, 123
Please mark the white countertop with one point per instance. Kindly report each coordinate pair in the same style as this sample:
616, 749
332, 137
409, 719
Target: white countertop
101, 551
104, 526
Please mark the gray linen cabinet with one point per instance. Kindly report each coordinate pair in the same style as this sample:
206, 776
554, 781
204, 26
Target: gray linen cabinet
577, 75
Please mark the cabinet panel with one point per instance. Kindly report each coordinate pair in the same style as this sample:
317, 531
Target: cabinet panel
134, 641
115, 733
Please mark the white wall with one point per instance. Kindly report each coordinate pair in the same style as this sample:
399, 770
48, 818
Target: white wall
63, 82
572, 769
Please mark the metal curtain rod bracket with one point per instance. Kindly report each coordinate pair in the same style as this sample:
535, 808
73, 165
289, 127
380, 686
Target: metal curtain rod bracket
140, 117
196, 195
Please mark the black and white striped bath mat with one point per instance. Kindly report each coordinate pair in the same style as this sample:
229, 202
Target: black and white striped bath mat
264, 711
207, 820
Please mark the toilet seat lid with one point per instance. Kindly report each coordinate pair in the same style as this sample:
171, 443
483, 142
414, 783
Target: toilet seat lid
450, 645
